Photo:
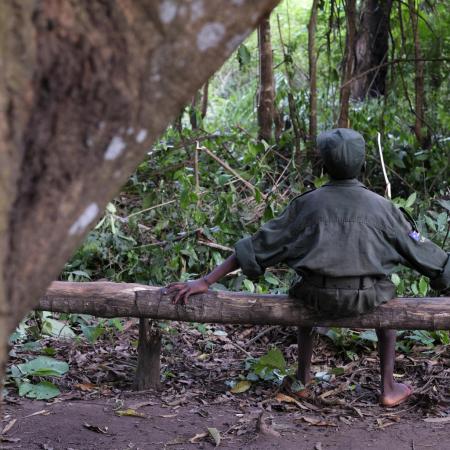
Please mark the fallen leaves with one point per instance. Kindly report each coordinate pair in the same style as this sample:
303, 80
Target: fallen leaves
130, 413
316, 421
437, 419
8, 426
241, 386
96, 428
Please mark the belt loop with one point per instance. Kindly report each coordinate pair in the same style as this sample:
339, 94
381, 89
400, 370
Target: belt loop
324, 281
361, 283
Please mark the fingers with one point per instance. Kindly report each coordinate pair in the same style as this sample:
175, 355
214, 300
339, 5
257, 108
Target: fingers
180, 296
172, 286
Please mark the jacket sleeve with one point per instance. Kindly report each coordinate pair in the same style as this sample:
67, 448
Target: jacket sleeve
422, 254
270, 245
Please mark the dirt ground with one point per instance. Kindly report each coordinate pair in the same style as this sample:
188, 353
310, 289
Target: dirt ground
83, 424
98, 409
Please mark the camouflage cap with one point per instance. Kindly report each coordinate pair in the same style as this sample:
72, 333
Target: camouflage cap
342, 151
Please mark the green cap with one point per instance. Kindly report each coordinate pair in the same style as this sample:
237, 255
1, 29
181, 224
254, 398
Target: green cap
343, 152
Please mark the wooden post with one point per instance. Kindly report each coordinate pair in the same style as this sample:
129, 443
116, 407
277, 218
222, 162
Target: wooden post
149, 351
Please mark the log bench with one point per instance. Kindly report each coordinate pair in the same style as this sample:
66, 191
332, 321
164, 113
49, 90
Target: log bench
108, 300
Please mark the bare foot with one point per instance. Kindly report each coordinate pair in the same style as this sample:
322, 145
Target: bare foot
395, 395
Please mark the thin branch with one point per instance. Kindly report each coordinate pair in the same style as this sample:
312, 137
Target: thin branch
227, 167
386, 179
395, 61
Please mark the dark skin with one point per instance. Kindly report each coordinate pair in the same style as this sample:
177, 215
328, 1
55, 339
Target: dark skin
392, 393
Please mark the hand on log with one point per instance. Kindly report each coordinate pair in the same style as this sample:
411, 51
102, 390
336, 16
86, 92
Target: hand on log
182, 291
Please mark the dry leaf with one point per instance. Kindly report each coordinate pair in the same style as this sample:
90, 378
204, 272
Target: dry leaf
42, 412
283, 398
437, 419
8, 426
85, 387
198, 437
130, 413
215, 434
9, 440
95, 428
241, 386
318, 422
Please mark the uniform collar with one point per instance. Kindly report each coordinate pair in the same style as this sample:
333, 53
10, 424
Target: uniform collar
349, 182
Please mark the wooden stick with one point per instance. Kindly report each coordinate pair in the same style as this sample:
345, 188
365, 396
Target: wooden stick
386, 179
227, 167
104, 299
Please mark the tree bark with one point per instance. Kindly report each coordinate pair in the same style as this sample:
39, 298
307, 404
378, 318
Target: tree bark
350, 14
371, 49
205, 99
312, 24
132, 300
419, 110
148, 372
85, 89
266, 91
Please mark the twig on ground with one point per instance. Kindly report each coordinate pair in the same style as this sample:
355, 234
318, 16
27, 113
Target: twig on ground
227, 167
217, 246
260, 335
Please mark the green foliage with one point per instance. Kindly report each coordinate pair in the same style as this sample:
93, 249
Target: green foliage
42, 366
269, 367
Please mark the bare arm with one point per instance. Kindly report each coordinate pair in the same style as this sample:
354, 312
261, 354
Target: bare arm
182, 291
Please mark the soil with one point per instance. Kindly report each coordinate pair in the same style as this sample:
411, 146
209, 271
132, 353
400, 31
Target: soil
64, 425
198, 365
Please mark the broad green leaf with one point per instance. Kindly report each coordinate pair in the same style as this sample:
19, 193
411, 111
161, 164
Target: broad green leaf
369, 335
44, 366
395, 279
41, 391
92, 332
56, 328
410, 200
274, 359
423, 286
249, 286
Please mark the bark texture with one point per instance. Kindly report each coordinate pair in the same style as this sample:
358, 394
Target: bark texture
85, 88
132, 300
349, 60
419, 79
148, 370
312, 57
266, 91
371, 49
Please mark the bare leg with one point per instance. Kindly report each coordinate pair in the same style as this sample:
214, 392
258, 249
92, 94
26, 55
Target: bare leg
305, 349
392, 393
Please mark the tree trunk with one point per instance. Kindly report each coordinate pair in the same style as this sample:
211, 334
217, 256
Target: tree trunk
148, 372
133, 300
350, 14
205, 99
312, 24
85, 89
266, 91
371, 50
419, 124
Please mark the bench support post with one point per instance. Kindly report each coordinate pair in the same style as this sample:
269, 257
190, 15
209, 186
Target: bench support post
149, 353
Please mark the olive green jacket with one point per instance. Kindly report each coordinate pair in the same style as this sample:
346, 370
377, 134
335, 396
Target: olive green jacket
343, 230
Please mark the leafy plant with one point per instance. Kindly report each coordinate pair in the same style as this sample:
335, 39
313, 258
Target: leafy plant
40, 367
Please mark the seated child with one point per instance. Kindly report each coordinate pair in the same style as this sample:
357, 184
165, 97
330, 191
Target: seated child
343, 241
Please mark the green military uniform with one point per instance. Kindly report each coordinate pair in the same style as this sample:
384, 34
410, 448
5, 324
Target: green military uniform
342, 239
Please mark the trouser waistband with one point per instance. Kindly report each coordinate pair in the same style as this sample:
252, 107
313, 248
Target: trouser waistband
323, 281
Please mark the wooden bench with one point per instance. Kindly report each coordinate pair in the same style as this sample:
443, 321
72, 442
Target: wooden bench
105, 299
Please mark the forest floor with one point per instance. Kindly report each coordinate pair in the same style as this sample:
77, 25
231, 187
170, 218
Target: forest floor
196, 408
